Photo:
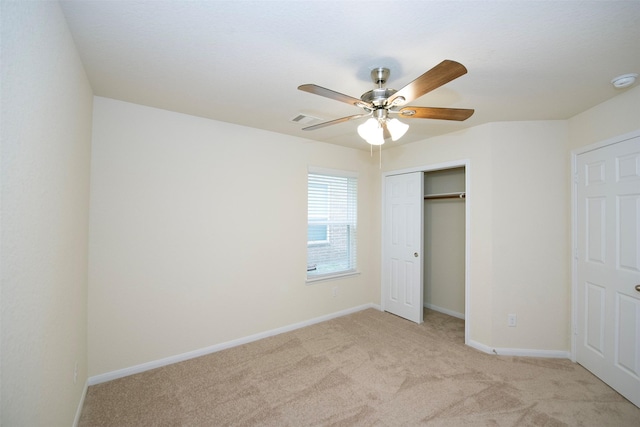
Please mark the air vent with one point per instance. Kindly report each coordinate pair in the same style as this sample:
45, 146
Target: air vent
305, 119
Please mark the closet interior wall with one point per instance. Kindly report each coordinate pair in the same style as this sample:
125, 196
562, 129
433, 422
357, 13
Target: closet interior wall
444, 242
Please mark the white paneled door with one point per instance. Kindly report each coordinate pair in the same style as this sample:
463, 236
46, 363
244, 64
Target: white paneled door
608, 265
402, 246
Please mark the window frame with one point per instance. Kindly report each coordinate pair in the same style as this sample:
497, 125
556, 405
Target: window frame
350, 235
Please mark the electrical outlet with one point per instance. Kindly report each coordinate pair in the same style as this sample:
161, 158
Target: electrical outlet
511, 320
75, 373
334, 291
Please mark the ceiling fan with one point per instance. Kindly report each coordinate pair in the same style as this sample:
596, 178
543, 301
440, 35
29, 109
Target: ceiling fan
381, 102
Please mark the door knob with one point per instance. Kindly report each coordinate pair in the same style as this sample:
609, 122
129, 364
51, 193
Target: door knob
638, 288
415, 254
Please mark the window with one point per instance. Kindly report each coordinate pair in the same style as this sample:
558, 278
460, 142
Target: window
331, 223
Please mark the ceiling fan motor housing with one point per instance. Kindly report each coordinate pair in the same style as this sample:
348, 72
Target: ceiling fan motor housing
377, 97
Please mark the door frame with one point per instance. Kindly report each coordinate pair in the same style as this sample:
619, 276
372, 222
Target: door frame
574, 226
466, 163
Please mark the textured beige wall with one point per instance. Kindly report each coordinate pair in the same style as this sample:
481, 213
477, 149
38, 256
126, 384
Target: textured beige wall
198, 234
46, 136
531, 277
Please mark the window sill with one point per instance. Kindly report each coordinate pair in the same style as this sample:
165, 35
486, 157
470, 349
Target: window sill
311, 280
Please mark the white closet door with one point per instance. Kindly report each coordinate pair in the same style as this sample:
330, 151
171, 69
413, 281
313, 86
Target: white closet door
608, 265
402, 291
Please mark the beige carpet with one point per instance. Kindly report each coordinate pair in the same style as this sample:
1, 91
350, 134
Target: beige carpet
368, 369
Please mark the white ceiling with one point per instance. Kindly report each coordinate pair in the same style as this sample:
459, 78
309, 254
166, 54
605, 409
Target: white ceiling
242, 61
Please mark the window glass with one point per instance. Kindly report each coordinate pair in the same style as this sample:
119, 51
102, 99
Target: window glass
332, 223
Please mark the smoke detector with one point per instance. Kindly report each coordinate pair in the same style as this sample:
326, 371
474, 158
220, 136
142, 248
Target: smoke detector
624, 80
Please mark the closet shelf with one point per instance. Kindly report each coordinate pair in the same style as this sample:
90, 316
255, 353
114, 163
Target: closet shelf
459, 195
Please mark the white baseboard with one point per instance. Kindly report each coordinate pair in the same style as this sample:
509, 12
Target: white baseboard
444, 310
120, 373
76, 420
552, 354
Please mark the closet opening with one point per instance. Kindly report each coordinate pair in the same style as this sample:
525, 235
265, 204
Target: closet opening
444, 241
426, 244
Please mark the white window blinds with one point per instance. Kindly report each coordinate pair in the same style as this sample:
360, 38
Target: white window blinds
332, 223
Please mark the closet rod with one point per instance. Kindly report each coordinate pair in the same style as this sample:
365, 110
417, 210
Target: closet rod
445, 196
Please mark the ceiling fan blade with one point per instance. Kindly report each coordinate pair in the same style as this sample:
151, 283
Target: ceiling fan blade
335, 122
459, 114
439, 75
331, 94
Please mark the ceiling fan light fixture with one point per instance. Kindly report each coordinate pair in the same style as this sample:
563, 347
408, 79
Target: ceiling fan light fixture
372, 132
396, 128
